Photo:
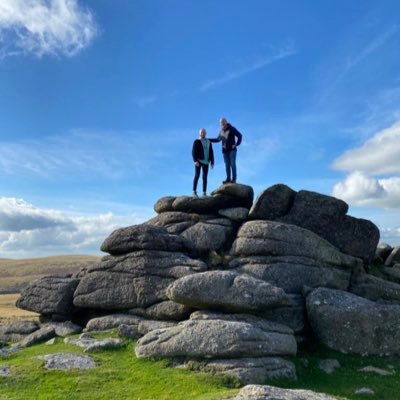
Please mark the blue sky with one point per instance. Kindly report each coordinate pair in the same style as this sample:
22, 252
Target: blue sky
100, 101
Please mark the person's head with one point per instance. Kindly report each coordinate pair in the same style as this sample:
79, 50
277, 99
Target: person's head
223, 122
202, 133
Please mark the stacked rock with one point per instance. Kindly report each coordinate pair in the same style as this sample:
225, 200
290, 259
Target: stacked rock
232, 284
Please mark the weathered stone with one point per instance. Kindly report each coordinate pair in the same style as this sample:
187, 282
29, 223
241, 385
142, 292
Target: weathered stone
203, 338
237, 191
142, 237
164, 204
10, 350
201, 205
16, 331
129, 331
329, 366
393, 257
67, 361
383, 250
137, 279
393, 271
237, 214
5, 371
326, 216
51, 341
111, 321
273, 203
63, 328
294, 315
148, 326
90, 344
375, 289
293, 273
249, 370
165, 310
278, 239
41, 335
256, 321
351, 324
226, 290
378, 371
213, 234
175, 221
49, 295
364, 391
258, 392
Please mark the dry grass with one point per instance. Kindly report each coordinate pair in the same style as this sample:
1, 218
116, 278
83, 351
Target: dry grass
16, 274
8, 311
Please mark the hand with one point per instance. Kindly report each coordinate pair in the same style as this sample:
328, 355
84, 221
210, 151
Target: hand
234, 147
197, 164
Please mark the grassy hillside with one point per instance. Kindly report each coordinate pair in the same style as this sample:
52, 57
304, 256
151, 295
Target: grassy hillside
10, 313
16, 274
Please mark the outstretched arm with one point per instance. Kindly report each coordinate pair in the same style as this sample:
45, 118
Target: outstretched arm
216, 140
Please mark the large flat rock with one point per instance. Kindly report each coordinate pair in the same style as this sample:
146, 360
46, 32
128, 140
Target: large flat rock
227, 291
215, 339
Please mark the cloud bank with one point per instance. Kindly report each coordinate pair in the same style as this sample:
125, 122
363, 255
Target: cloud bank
26, 230
45, 27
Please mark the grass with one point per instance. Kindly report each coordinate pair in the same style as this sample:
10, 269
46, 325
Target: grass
8, 311
119, 375
16, 274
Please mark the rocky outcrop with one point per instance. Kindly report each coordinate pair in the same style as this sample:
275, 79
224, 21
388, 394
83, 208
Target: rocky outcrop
351, 324
222, 282
16, 331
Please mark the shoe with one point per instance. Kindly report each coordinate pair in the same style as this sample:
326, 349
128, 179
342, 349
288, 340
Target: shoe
227, 181
195, 194
233, 181
204, 194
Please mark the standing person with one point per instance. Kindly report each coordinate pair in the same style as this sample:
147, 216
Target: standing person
203, 155
228, 135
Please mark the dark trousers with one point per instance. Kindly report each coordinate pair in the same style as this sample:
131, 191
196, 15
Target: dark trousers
204, 167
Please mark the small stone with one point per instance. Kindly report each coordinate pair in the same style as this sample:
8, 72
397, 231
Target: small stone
90, 344
329, 365
379, 371
365, 391
5, 370
51, 341
66, 361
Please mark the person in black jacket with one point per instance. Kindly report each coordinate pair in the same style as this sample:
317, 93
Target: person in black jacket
203, 155
228, 135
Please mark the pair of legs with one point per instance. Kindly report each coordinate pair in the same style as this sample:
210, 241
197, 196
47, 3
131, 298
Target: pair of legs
230, 165
203, 167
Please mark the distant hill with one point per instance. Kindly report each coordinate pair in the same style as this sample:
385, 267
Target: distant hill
16, 274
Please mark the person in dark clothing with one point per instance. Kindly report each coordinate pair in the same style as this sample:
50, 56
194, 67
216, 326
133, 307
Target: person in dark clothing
203, 156
228, 136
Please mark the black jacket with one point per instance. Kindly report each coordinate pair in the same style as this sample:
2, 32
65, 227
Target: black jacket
230, 140
198, 151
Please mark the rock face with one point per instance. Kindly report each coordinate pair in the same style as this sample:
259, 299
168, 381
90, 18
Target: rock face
224, 281
49, 295
228, 291
137, 279
352, 324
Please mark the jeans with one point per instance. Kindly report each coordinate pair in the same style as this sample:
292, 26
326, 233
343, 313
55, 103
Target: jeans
230, 164
204, 167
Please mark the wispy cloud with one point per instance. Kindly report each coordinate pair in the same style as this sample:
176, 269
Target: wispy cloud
91, 154
254, 66
45, 27
26, 230
371, 47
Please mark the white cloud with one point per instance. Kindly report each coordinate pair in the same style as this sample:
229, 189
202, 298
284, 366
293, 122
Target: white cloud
27, 231
45, 27
378, 155
256, 65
